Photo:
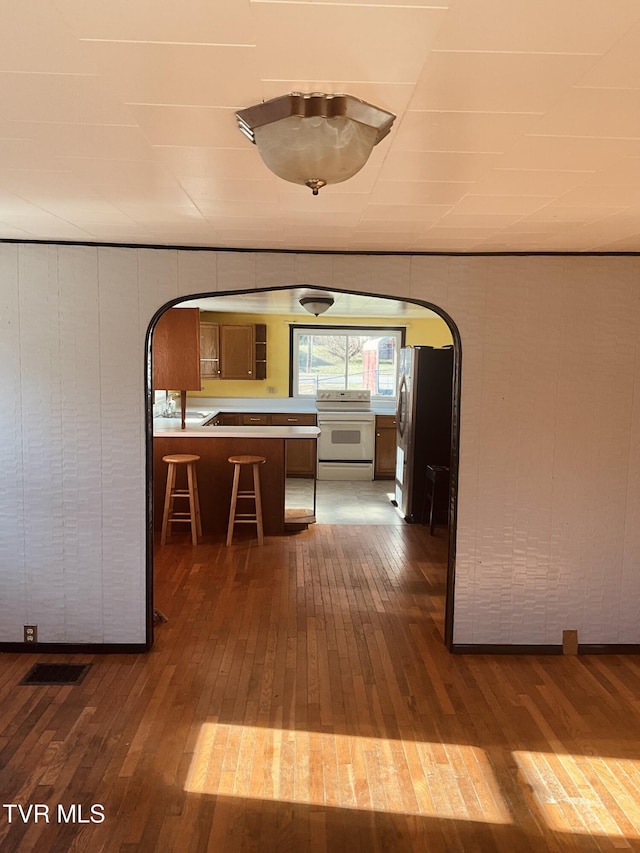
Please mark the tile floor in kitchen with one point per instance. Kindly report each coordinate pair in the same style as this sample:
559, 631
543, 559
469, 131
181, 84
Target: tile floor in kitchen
346, 501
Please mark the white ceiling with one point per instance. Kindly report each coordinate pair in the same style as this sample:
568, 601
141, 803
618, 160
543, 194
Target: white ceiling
518, 123
287, 301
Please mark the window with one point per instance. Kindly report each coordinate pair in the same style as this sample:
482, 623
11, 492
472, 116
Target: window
345, 357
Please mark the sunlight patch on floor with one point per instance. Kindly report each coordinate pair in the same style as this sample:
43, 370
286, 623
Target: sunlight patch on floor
449, 781
584, 794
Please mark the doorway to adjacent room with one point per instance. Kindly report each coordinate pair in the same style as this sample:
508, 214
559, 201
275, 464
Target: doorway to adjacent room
339, 503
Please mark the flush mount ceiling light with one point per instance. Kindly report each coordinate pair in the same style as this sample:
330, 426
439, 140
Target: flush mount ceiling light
315, 139
316, 304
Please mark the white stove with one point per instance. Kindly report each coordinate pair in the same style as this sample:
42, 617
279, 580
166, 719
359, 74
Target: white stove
346, 443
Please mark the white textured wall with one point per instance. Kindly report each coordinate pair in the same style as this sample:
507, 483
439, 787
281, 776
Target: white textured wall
548, 533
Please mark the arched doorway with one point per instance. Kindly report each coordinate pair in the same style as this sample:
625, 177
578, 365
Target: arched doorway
295, 289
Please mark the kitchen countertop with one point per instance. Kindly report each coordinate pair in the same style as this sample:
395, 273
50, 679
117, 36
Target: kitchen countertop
202, 409
195, 429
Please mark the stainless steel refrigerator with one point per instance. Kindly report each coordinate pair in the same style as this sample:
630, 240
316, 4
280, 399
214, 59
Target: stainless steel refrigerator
423, 426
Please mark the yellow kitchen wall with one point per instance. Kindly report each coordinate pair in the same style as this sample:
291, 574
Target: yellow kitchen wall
432, 331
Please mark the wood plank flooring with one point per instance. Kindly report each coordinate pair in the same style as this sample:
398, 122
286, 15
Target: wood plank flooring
299, 698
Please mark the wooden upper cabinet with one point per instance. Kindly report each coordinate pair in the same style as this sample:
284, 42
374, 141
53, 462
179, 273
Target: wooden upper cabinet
237, 347
176, 351
209, 350
233, 351
238, 352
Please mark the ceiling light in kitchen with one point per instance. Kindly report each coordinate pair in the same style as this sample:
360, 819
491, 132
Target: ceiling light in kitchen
316, 304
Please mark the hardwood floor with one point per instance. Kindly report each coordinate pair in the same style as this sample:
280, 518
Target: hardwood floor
299, 698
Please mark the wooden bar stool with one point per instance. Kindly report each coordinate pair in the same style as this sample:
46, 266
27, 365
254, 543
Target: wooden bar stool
246, 517
192, 516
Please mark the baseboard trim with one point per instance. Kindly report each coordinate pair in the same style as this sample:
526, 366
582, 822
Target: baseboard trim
76, 648
609, 649
583, 649
499, 649
456, 649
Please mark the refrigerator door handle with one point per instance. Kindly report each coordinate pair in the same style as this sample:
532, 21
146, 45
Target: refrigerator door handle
402, 393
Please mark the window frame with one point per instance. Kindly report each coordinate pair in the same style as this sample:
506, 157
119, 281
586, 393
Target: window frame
297, 329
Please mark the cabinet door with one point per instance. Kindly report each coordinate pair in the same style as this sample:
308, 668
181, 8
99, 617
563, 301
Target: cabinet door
229, 420
176, 351
237, 348
385, 457
209, 351
301, 457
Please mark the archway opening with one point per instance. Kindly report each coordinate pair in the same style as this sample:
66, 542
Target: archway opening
360, 308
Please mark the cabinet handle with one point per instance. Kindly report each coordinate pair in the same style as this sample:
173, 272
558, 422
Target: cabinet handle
249, 372
254, 419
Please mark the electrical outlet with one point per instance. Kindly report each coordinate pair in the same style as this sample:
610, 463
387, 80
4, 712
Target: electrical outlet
271, 389
31, 633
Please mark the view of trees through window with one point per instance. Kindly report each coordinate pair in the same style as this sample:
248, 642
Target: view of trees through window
341, 359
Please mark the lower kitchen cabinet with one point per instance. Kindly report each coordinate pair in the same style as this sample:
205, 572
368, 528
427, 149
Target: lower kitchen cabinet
228, 420
293, 419
385, 457
301, 457
256, 420
301, 452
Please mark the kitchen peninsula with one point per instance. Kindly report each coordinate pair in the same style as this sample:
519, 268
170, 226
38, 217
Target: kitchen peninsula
214, 445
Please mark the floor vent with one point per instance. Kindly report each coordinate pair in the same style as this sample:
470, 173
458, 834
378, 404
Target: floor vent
56, 673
